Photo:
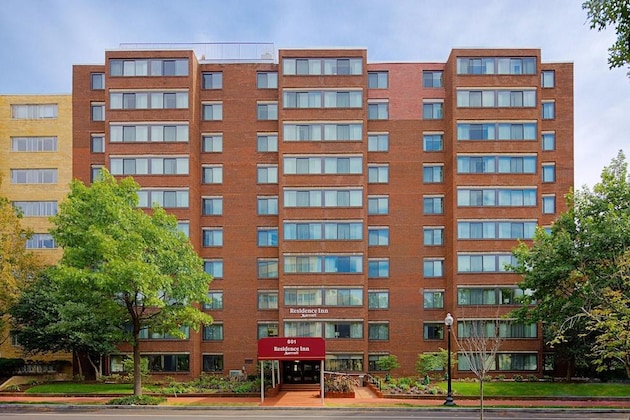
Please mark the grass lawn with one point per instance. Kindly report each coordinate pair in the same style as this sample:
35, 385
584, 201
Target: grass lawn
80, 388
540, 389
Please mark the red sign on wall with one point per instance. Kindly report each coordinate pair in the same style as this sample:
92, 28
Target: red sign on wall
292, 348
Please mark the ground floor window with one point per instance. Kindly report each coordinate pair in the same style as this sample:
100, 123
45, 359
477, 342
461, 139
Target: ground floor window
212, 362
169, 362
344, 362
505, 362
373, 362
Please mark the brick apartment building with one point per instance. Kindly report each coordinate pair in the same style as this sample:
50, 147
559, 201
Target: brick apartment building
333, 197
35, 169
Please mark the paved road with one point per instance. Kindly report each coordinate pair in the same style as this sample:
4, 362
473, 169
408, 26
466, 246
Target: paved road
51, 413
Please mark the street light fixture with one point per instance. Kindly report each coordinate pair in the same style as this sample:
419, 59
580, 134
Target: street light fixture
448, 321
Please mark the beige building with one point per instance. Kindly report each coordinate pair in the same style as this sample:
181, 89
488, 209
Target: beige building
36, 169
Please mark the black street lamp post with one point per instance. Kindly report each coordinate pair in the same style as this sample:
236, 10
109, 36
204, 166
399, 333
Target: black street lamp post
448, 321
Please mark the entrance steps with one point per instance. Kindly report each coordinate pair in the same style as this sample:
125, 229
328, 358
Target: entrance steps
299, 387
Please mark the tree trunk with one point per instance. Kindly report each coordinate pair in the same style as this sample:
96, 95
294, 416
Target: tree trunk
137, 374
97, 370
481, 398
79, 364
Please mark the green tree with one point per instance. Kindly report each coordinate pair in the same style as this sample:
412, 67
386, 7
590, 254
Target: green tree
17, 265
387, 363
48, 318
571, 268
144, 270
429, 362
615, 13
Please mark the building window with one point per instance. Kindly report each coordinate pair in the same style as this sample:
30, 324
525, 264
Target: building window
378, 236
267, 237
97, 112
433, 299
213, 237
432, 142
433, 110
267, 80
548, 110
212, 80
548, 141
340, 329
432, 79
328, 230
168, 362
212, 174
323, 198
216, 301
378, 299
378, 331
496, 65
144, 67
488, 98
433, 205
485, 263
268, 299
549, 204
268, 111
267, 206
96, 172
267, 174
98, 143
40, 241
323, 132
495, 229
548, 172
212, 206
34, 144
433, 174
433, 236
433, 267
378, 80
479, 164
149, 166
510, 295
36, 208
212, 143
378, 174
213, 332
33, 176
378, 142
378, 110
433, 331
148, 334
148, 133
213, 363
322, 66
214, 268
184, 227
323, 99
267, 268
548, 79
267, 142
496, 131
34, 111
378, 205
267, 329
212, 112
148, 100
373, 365
323, 264
344, 362
97, 81
502, 197
323, 165
378, 268
164, 198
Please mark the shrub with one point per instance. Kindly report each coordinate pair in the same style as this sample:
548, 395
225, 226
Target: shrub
9, 366
13, 388
339, 383
532, 378
518, 378
500, 378
137, 400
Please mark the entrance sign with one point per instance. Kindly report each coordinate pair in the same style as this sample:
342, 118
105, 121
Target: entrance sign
292, 348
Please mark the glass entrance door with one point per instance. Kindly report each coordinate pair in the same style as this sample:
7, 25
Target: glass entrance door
301, 372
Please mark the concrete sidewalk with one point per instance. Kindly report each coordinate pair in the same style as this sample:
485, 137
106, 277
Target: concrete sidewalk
364, 398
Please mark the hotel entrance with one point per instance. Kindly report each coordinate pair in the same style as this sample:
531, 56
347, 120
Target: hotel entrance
301, 372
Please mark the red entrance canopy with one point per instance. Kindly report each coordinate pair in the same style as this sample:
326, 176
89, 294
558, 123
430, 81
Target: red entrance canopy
292, 348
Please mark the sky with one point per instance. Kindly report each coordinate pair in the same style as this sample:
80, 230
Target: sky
42, 39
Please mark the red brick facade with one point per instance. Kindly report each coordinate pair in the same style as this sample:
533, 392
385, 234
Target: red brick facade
404, 188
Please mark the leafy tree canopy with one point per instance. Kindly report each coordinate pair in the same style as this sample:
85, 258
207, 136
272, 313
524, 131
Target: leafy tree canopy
140, 263
572, 269
615, 13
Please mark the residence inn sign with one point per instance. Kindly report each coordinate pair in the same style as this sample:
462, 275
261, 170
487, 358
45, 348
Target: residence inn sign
291, 348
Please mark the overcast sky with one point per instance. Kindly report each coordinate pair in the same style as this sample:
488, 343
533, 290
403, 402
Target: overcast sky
42, 39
